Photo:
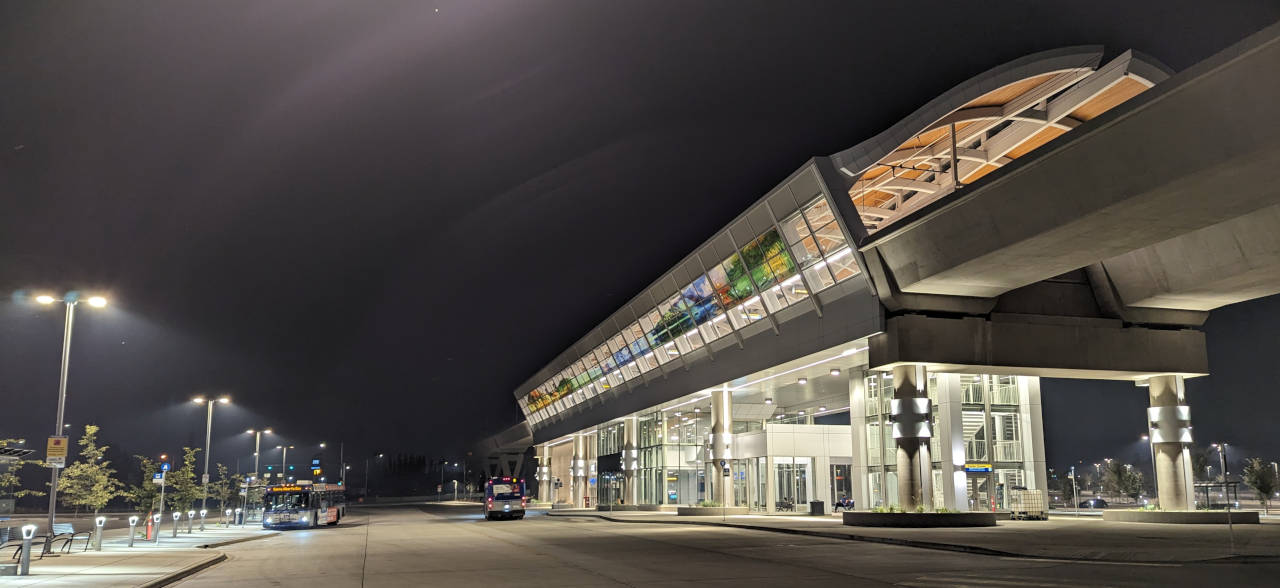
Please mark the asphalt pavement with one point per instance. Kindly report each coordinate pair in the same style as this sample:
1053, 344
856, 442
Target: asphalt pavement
431, 545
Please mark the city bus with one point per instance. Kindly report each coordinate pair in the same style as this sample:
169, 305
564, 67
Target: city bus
303, 506
504, 498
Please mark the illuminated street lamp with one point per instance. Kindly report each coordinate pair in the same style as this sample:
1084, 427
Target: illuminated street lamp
208, 433
257, 445
70, 300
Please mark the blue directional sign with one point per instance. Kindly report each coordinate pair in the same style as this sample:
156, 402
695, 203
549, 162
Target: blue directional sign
157, 475
164, 467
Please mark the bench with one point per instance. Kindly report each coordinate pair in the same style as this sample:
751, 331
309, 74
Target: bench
64, 532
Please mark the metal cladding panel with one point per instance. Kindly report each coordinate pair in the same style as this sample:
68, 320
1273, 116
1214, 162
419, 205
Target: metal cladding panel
758, 216
692, 270
680, 276
719, 249
663, 289
805, 186
782, 202
741, 232
638, 308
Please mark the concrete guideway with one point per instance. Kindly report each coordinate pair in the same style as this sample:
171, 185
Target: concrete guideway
1063, 537
434, 545
145, 564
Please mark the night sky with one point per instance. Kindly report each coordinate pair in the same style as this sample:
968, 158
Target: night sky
371, 221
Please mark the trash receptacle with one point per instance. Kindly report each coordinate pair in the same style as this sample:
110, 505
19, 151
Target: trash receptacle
817, 508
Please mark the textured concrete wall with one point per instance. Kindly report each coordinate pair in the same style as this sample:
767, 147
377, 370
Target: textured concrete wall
1096, 348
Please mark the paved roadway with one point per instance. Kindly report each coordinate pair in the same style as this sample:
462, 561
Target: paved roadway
454, 546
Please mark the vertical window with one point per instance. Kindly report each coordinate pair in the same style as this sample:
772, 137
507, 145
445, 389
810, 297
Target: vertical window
770, 266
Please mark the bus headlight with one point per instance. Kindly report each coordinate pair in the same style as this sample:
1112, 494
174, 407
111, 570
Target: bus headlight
303, 519
268, 520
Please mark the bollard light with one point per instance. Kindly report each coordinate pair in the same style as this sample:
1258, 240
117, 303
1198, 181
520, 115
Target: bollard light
176, 515
226, 518
191, 515
24, 564
203, 512
98, 523
133, 525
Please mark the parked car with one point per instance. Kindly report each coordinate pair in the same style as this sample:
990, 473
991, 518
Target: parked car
1093, 503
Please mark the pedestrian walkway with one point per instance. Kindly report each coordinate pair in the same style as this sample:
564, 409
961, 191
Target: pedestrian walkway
147, 563
1083, 538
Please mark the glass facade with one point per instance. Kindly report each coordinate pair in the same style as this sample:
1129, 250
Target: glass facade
806, 252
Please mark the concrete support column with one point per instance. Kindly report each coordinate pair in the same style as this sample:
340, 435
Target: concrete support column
721, 446
910, 412
1170, 422
545, 477
631, 459
949, 429
578, 469
858, 435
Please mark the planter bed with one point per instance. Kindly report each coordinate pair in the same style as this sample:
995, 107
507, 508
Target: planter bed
920, 519
1182, 517
710, 511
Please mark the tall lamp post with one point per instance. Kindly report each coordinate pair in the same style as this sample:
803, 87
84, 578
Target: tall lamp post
208, 434
257, 446
366, 474
284, 459
70, 300
1152, 450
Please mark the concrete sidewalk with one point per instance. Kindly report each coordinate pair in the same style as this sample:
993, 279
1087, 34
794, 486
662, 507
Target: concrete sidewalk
145, 564
1070, 538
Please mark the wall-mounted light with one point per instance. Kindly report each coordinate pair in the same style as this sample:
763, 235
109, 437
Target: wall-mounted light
802, 381
835, 371
768, 401
822, 409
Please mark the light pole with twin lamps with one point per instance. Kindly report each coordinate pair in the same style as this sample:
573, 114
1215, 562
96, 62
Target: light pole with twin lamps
71, 299
284, 460
208, 434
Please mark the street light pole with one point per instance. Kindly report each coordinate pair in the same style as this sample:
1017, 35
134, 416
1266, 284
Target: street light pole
57, 427
70, 301
208, 435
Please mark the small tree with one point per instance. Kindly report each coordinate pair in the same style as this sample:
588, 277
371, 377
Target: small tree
1122, 478
145, 494
90, 482
1262, 478
11, 479
183, 490
225, 489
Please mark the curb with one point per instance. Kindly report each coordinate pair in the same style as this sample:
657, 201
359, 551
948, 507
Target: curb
928, 544
240, 540
187, 571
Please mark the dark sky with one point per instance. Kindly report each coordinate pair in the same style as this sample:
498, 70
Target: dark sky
371, 221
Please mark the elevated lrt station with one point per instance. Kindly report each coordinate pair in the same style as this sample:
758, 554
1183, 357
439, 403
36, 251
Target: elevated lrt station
876, 326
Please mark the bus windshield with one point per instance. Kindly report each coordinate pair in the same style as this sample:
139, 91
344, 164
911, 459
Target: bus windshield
281, 501
504, 491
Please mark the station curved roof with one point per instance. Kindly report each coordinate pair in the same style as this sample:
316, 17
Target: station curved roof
987, 122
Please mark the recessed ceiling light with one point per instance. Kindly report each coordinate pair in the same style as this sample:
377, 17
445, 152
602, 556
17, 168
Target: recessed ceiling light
802, 381
822, 409
768, 401
835, 371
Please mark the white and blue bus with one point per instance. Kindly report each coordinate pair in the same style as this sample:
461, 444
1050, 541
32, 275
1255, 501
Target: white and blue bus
504, 498
303, 505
